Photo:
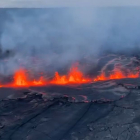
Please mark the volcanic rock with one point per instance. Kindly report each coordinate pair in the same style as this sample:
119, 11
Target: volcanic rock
114, 114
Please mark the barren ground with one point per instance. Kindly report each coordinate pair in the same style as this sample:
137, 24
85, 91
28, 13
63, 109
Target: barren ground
107, 110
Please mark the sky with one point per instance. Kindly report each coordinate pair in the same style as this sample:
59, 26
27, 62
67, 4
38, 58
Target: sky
67, 3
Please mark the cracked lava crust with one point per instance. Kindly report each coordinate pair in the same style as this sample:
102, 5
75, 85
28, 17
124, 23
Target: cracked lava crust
93, 111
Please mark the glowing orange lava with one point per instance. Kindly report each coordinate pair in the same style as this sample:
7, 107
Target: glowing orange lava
118, 74
74, 76
21, 80
41, 81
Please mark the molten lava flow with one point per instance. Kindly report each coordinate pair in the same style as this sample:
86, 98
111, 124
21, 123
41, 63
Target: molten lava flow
20, 78
74, 76
41, 81
59, 79
118, 74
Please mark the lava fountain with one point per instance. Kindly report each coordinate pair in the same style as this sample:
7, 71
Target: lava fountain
74, 76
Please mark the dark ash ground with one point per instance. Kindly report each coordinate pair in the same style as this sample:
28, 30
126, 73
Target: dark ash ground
108, 110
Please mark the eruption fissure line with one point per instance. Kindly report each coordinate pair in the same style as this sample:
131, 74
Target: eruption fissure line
75, 76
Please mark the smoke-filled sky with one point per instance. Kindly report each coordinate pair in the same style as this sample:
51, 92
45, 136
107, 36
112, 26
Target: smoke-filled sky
58, 36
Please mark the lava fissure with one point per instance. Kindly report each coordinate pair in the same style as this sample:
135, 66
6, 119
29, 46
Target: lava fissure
74, 76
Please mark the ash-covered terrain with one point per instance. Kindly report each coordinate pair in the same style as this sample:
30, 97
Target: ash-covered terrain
107, 110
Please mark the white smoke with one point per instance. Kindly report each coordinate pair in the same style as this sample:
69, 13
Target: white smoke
59, 36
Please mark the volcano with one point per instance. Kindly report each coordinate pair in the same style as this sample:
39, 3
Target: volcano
69, 74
